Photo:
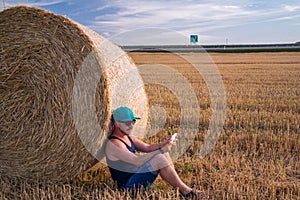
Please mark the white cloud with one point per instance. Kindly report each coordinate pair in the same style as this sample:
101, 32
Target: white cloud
146, 36
290, 17
291, 8
36, 3
179, 15
202, 17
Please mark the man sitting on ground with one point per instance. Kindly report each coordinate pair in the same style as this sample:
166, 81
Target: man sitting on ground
131, 171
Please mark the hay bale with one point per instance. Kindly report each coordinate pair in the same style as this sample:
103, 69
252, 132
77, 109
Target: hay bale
48, 65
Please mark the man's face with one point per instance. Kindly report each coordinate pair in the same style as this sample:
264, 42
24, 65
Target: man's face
126, 127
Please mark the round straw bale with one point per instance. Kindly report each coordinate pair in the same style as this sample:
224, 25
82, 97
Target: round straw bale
50, 67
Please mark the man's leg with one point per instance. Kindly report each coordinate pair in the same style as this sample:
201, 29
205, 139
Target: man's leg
163, 162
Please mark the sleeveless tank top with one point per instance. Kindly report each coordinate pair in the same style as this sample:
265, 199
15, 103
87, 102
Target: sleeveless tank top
121, 171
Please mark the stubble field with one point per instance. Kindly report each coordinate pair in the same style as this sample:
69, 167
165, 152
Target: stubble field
257, 155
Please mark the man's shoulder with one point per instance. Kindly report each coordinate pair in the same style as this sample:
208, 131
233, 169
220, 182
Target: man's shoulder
115, 142
134, 138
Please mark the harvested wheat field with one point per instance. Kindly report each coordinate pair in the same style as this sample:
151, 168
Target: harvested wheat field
257, 155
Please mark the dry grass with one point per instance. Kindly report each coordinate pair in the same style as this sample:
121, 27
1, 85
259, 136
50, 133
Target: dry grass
257, 155
49, 117
39, 61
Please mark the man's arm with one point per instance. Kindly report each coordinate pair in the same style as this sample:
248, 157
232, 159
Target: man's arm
117, 151
144, 147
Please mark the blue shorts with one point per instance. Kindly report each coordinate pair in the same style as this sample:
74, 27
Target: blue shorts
144, 177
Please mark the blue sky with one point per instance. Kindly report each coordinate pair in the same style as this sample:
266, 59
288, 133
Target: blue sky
216, 22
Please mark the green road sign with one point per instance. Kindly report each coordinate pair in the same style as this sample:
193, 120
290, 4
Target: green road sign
194, 38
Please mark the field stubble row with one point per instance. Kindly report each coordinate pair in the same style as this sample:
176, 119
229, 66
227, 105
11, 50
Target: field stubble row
257, 154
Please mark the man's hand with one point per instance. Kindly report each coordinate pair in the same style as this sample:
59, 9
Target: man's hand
167, 145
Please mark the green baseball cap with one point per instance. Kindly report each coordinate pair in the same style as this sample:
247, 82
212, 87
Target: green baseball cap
124, 114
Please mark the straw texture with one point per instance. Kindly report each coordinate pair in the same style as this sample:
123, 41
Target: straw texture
42, 55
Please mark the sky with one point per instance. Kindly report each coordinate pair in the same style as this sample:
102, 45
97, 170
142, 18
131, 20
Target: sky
132, 22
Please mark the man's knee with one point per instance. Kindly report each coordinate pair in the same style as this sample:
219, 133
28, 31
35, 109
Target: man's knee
160, 161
